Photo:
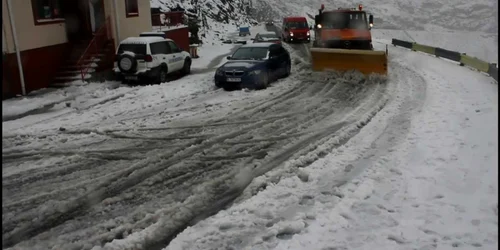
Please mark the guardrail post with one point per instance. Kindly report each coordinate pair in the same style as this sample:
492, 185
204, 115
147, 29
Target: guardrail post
493, 71
461, 63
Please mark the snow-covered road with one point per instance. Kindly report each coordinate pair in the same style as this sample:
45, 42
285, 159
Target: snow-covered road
379, 164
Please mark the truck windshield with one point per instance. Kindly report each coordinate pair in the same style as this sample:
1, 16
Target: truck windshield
345, 20
250, 53
298, 25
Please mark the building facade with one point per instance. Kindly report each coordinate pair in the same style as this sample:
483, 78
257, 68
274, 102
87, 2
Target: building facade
54, 36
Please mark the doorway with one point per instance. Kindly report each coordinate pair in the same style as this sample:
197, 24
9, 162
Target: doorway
77, 20
96, 15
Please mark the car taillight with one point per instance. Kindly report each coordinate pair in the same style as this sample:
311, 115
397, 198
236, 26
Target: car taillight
148, 58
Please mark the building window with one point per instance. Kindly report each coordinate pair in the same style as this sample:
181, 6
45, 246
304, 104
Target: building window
47, 11
132, 8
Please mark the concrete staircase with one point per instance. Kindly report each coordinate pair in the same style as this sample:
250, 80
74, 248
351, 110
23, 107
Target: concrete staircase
69, 70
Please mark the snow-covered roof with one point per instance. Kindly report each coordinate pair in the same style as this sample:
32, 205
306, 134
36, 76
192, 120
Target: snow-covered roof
144, 40
257, 45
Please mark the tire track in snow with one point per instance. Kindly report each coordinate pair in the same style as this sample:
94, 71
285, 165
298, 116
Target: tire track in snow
400, 103
140, 173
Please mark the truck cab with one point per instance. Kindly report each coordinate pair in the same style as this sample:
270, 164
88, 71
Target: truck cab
295, 29
343, 29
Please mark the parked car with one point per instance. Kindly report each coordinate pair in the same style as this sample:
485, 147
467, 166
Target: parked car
295, 29
150, 58
267, 37
254, 66
245, 31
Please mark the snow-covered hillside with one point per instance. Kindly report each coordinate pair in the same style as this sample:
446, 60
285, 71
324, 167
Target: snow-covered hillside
479, 15
427, 15
216, 17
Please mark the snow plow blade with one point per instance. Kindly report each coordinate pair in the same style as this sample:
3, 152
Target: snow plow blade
365, 61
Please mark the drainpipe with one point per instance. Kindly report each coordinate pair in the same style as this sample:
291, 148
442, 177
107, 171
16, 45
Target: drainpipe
117, 25
16, 46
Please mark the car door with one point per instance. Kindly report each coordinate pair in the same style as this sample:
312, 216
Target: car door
176, 59
158, 53
284, 28
274, 62
283, 59
166, 55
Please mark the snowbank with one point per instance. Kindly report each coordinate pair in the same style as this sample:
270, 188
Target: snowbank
478, 44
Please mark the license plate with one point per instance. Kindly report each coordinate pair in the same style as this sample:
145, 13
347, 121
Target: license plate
234, 79
131, 77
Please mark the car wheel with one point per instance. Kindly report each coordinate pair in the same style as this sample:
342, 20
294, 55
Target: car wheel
288, 69
264, 81
162, 75
186, 69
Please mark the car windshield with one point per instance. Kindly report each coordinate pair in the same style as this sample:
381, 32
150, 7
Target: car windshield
135, 48
344, 20
297, 25
250, 53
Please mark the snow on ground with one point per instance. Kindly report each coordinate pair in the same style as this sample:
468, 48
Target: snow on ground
208, 52
421, 175
380, 165
76, 98
46, 98
478, 44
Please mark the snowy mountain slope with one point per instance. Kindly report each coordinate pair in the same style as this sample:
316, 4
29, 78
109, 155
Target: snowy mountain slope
216, 17
480, 15
400, 14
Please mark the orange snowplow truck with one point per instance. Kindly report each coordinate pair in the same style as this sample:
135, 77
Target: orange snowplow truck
343, 42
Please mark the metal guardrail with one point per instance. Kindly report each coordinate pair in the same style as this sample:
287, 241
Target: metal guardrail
461, 58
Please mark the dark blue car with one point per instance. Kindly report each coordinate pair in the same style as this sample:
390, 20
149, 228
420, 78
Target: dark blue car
254, 66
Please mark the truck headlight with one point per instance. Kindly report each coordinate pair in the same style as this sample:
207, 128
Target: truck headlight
291, 33
308, 34
219, 72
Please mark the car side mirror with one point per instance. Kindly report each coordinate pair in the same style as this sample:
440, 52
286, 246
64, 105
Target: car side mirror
317, 20
370, 22
228, 57
286, 29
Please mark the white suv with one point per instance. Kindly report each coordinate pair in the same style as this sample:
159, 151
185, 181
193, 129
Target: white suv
150, 58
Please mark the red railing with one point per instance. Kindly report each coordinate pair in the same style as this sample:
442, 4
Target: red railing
96, 45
